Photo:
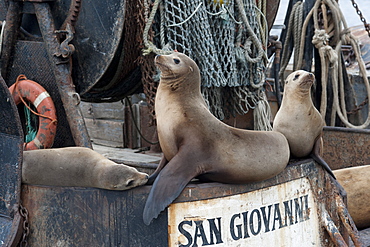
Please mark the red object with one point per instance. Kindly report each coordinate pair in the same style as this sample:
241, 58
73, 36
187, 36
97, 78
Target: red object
26, 90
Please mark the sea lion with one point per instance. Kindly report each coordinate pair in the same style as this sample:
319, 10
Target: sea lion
355, 181
298, 119
78, 166
196, 144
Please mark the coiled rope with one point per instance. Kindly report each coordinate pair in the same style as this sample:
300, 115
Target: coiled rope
336, 32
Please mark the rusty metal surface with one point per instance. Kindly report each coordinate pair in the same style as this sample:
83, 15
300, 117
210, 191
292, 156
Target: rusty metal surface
11, 150
62, 72
344, 147
13, 18
98, 33
348, 222
365, 237
92, 217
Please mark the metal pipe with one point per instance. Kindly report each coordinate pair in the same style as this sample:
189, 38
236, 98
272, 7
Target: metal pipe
62, 72
12, 24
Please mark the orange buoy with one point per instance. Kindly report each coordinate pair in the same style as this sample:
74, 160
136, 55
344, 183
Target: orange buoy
27, 90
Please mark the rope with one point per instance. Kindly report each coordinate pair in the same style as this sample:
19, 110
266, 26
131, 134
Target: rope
298, 19
224, 11
224, 40
262, 22
263, 27
252, 39
261, 113
187, 19
330, 59
292, 25
149, 46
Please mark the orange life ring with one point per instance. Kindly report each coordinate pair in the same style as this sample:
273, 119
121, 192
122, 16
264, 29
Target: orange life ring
33, 92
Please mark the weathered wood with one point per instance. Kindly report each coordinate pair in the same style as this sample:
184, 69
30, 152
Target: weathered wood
132, 137
61, 216
143, 162
103, 110
105, 132
71, 216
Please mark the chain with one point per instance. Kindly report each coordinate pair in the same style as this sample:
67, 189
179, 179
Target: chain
362, 18
26, 228
359, 107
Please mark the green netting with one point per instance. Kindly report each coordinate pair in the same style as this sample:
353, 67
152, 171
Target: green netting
31, 121
223, 38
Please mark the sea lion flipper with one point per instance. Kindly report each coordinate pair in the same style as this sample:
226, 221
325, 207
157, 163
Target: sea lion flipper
155, 174
167, 187
317, 157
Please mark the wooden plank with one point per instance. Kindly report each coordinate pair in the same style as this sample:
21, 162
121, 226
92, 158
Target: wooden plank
106, 132
264, 217
127, 155
72, 216
112, 110
132, 137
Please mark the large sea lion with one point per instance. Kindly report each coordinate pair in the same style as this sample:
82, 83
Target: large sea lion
197, 144
78, 166
298, 119
355, 181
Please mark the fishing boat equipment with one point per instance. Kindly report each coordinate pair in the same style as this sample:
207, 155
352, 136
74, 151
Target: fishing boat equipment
331, 32
227, 39
362, 18
27, 90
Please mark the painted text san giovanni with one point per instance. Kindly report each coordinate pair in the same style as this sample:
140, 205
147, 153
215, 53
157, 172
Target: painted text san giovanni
263, 215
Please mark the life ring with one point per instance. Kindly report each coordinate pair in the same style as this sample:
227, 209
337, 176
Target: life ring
24, 89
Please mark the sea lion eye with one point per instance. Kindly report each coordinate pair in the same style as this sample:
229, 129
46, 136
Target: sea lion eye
296, 77
177, 61
130, 183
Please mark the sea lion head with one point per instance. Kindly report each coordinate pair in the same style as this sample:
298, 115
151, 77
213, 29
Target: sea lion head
299, 82
121, 177
177, 69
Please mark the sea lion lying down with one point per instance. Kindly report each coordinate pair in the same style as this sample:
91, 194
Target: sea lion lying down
78, 166
196, 144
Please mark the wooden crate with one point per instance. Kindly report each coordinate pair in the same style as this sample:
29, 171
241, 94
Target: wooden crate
111, 124
287, 210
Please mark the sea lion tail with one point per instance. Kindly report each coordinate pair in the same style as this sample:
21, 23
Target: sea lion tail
167, 187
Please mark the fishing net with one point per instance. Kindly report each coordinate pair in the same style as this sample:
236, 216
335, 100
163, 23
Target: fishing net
224, 38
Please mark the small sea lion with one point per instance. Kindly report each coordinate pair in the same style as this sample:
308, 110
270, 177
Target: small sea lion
356, 181
197, 144
78, 166
298, 119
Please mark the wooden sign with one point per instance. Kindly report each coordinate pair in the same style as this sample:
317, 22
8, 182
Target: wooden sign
282, 215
